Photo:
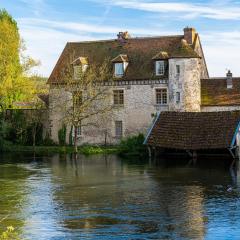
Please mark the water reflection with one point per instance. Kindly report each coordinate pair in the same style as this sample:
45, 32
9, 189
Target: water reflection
104, 197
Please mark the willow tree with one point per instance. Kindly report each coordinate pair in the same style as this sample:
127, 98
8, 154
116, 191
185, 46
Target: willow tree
88, 96
14, 82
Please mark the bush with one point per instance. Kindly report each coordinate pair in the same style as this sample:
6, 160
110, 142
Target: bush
62, 136
133, 146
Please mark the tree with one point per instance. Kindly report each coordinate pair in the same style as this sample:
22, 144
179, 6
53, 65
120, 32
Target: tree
88, 96
15, 84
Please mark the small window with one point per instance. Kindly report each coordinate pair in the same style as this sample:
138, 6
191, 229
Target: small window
77, 99
178, 69
118, 69
118, 97
118, 129
161, 96
178, 97
79, 131
77, 71
159, 68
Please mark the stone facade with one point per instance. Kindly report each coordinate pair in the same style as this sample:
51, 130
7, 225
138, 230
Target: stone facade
182, 81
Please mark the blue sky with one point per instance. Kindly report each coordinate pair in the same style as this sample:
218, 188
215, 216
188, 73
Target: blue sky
46, 25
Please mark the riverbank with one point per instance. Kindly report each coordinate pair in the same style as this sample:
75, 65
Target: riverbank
87, 150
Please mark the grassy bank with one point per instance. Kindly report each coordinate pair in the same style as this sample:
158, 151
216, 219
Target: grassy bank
87, 150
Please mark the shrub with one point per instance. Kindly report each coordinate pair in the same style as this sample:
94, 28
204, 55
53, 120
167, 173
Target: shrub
62, 136
133, 146
9, 234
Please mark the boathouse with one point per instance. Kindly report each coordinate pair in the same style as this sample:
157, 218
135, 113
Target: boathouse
194, 132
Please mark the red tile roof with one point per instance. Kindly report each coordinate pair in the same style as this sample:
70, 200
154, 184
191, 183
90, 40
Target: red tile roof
214, 92
194, 130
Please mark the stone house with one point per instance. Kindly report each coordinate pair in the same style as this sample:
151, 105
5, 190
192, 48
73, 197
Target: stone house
149, 75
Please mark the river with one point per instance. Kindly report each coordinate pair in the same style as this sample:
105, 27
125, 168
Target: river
105, 197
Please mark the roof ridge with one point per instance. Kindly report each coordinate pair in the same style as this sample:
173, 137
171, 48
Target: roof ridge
129, 39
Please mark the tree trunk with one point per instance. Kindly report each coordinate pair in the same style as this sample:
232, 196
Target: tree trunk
75, 139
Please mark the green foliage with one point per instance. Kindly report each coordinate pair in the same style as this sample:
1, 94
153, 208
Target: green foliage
9, 234
133, 146
47, 141
62, 136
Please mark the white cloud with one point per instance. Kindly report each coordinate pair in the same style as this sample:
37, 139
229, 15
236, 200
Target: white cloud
46, 39
210, 10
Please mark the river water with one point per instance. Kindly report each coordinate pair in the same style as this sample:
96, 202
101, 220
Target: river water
106, 197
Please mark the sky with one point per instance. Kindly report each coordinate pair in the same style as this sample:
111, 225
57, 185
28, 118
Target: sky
47, 25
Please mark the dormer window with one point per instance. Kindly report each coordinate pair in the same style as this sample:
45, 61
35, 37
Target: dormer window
161, 61
159, 68
80, 66
120, 65
118, 69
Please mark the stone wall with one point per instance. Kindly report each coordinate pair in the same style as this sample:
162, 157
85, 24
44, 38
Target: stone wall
219, 108
187, 83
137, 114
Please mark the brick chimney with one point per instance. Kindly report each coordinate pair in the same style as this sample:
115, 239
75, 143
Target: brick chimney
189, 34
229, 80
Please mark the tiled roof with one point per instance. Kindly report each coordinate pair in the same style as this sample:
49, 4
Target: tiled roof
194, 130
214, 92
140, 52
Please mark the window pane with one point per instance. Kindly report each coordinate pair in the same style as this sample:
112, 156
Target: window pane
178, 69
77, 72
160, 68
119, 69
161, 96
118, 97
118, 129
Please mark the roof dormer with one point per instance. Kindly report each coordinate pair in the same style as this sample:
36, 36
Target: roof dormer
80, 66
120, 65
160, 61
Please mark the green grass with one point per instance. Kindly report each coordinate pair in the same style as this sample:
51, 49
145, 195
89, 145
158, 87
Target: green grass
87, 150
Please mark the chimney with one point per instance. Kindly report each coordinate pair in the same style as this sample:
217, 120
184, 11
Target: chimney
189, 34
229, 80
123, 36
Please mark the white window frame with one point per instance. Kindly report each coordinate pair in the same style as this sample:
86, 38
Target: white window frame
161, 101
159, 68
118, 104
116, 74
116, 130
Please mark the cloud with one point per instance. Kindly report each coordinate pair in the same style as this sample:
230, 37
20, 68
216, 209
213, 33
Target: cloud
46, 39
193, 10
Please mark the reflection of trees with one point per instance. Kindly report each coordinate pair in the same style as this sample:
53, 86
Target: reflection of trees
12, 193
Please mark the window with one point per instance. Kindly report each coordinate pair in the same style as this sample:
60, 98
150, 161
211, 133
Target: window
178, 97
77, 71
118, 129
178, 69
118, 97
77, 99
79, 131
161, 96
84, 67
118, 69
159, 68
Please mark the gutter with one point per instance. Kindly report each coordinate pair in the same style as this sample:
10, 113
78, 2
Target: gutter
151, 128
